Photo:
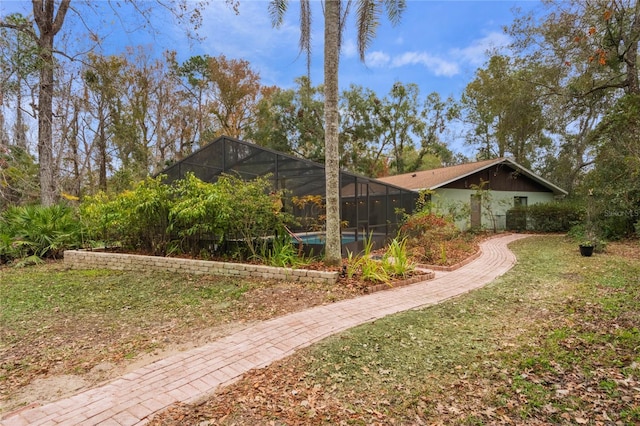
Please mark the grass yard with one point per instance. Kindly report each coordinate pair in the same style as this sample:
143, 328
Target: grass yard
554, 341
61, 330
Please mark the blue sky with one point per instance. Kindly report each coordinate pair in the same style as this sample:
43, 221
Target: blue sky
438, 45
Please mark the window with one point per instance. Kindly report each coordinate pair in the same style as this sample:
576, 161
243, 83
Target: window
519, 201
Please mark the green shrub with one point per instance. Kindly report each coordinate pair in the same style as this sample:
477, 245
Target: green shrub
557, 216
198, 213
613, 227
136, 219
517, 219
189, 216
254, 210
34, 230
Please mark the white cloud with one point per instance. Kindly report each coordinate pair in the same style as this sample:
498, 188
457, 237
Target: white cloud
438, 66
476, 52
349, 49
377, 59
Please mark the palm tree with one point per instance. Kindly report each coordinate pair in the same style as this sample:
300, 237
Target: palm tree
335, 13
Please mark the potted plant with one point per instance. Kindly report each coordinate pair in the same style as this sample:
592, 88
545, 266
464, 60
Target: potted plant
586, 248
589, 242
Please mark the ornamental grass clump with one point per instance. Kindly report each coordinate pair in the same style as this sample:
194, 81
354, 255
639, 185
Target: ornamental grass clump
395, 262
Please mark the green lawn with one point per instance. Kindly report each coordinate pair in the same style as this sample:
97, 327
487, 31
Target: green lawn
55, 321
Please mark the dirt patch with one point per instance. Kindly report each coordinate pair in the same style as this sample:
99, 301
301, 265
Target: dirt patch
628, 249
49, 389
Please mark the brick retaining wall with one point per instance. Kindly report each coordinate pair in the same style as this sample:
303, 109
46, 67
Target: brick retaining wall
84, 259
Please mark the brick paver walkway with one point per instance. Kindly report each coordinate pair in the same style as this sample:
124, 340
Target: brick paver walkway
188, 376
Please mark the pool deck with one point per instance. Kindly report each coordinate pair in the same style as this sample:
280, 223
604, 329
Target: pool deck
194, 374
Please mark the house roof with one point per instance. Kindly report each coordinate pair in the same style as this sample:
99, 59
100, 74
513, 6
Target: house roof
436, 178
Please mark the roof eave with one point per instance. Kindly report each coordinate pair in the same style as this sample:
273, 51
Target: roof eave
531, 175
464, 175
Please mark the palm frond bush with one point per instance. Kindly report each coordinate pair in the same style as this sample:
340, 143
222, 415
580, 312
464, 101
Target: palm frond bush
42, 231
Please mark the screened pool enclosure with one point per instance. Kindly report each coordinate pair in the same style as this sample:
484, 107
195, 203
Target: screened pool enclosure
367, 207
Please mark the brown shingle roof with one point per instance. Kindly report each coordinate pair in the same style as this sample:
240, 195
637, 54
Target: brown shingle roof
431, 179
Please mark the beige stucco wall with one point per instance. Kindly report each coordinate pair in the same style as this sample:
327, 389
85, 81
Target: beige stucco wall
459, 200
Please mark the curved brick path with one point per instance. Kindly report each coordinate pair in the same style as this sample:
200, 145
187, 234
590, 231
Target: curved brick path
188, 376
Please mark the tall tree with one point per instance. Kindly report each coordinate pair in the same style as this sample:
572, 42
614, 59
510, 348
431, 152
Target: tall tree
505, 112
291, 121
226, 90
368, 19
363, 151
19, 65
49, 22
395, 134
49, 17
586, 57
103, 79
400, 120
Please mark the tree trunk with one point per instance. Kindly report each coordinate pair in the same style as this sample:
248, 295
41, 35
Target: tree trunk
333, 253
631, 57
102, 154
20, 136
48, 24
73, 140
4, 136
45, 122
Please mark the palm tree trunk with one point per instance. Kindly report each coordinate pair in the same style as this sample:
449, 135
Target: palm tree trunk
333, 255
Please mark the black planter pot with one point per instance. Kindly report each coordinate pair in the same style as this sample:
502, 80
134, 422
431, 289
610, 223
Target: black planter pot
586, 250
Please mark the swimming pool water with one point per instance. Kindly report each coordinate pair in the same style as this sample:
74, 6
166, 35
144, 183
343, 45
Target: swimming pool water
320, 239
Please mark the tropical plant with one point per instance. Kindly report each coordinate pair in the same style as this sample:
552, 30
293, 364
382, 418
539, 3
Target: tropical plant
395, 262
136, 219
396, 259
198, 212
38, 231
188, 216
364, 265
281, 252
254, 210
